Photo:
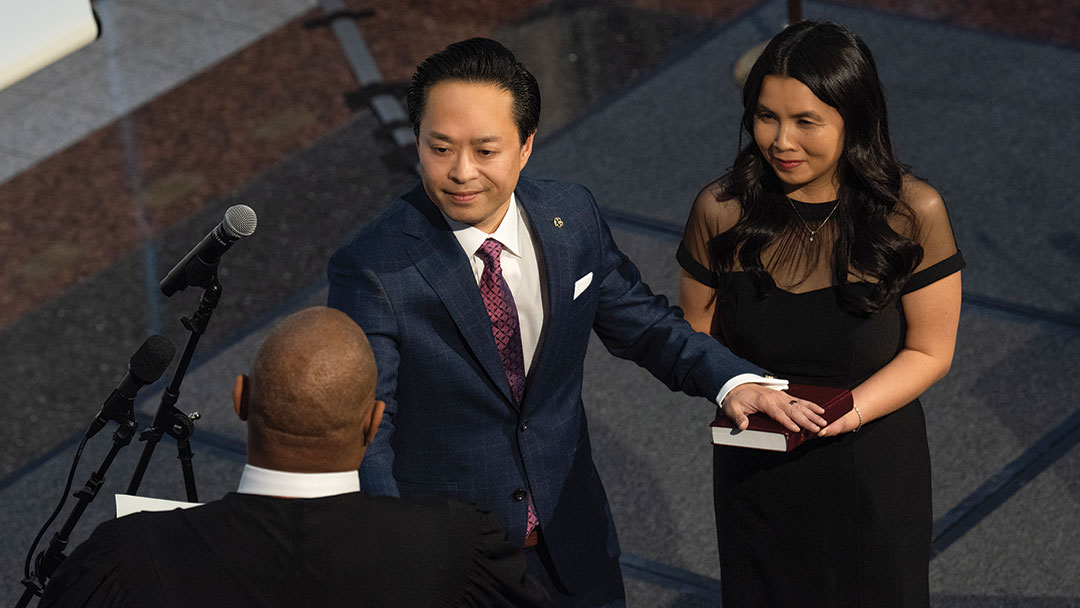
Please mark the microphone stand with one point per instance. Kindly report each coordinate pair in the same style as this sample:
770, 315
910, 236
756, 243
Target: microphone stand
168, 419
48, 560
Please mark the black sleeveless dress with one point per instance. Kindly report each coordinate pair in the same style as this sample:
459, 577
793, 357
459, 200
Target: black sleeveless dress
840, 521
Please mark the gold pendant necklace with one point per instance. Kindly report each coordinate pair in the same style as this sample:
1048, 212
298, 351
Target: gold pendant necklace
812, 231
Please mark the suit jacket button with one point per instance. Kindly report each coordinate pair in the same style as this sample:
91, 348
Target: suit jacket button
525, 425
519, 494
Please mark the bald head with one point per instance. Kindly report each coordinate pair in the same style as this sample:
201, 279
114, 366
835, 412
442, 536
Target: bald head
310, 397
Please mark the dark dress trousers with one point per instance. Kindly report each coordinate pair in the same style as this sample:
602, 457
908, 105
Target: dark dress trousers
452, 427
345, 550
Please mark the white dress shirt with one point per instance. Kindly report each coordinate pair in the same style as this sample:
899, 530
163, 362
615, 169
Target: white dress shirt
520, 268
268, 482
522, 273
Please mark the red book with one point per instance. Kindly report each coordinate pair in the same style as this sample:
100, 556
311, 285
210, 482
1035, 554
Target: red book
764, 433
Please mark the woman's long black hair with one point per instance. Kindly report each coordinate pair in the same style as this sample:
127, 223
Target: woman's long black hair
836, 65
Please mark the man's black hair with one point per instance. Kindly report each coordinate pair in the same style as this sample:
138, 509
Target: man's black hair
478, 60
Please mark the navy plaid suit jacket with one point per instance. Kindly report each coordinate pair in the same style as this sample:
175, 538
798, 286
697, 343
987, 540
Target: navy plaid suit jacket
451, 426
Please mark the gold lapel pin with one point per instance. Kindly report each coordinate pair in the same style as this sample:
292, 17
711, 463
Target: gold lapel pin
557, 221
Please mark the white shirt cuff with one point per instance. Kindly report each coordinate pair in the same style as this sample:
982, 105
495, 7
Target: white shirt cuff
779, 384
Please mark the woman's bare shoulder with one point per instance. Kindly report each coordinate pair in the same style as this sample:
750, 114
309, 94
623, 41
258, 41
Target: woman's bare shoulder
921, 197
716, 208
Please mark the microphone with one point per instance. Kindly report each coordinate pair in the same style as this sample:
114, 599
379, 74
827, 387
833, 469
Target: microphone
200, 264
145, 367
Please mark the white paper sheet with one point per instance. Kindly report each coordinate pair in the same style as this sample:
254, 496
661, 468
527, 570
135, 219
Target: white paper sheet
127, 504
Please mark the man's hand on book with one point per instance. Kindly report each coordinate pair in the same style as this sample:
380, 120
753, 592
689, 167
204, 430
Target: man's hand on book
795, 414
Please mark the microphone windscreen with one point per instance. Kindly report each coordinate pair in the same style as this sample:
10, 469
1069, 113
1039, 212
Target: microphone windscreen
152, 358
240, 221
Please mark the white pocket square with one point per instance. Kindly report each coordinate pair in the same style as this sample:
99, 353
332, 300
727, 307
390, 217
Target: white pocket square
581, 284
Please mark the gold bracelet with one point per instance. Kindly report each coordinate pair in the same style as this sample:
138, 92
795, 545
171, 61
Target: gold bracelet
856, 429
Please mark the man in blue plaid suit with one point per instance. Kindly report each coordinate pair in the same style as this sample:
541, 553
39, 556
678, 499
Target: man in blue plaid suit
454, 426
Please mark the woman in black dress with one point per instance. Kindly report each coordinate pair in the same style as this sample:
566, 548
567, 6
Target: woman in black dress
822, 259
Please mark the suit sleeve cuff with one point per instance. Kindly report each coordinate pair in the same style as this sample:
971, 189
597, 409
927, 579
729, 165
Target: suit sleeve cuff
774, 383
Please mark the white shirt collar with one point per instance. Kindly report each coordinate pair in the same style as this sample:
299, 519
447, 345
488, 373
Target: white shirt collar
509, 232
267, 482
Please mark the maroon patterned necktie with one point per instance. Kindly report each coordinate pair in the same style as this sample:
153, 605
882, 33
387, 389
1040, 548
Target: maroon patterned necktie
504, 317
506, 329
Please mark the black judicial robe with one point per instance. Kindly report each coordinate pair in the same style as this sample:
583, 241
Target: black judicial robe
345, 550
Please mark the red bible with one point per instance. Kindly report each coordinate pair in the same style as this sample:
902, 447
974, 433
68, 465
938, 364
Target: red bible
764, 433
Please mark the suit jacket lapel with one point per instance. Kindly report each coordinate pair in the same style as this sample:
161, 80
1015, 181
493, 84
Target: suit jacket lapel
439, 258
555, 248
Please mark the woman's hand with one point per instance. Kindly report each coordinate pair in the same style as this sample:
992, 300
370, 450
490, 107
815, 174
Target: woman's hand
844, 424
795, 414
